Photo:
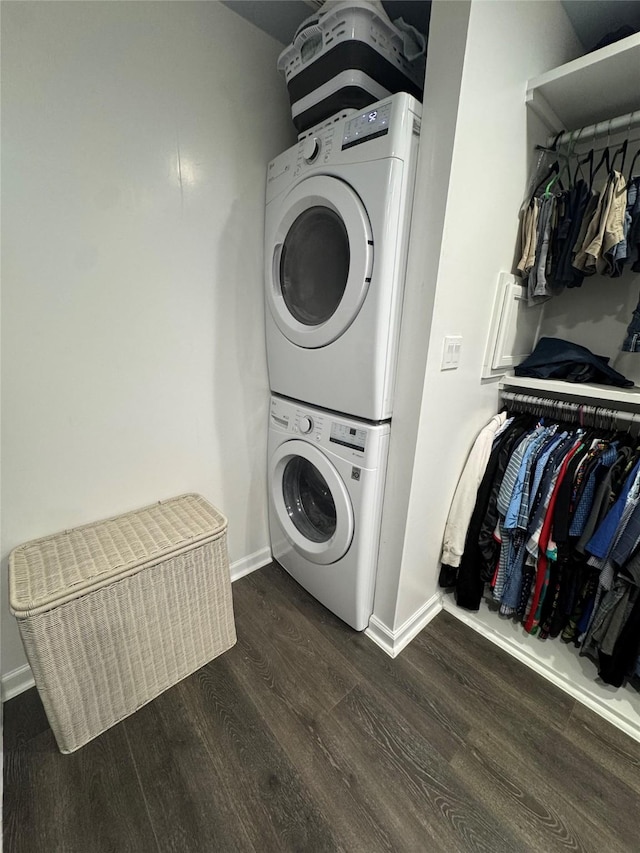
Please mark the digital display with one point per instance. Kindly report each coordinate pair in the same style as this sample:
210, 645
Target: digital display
367, 125
348, 436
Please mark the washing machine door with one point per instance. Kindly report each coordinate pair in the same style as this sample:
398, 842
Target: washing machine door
311, 502
318, 266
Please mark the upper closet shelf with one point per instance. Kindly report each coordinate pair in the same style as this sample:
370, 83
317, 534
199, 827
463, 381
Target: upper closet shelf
627, 399
599, 86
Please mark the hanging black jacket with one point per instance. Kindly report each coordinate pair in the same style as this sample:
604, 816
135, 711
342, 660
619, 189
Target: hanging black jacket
470, 580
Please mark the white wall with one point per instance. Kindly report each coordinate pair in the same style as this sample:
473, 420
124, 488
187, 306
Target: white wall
440, 110
135, 139
507, 43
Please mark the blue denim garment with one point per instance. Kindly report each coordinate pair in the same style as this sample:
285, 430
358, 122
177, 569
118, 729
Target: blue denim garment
602, 539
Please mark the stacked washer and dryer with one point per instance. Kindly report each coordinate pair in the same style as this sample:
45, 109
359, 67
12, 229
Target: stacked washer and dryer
338, 212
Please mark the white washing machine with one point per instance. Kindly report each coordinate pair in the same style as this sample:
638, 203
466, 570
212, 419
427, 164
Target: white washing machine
326, 484
337, 223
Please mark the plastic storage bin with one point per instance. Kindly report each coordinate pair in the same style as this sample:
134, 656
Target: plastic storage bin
346, 57
113, 613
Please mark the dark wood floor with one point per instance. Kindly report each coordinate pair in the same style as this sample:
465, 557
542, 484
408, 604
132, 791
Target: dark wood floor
306, 737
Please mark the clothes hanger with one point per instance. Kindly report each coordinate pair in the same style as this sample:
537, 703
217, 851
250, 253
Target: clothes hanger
635, 156
622, 150
554, 170
564, 168
580, 163
565, 157
605, 159
633, 163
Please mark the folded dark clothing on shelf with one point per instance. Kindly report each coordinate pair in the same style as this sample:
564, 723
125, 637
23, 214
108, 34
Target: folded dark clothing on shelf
554, 358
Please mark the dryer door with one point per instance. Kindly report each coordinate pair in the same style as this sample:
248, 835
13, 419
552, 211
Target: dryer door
311, 502
318, 266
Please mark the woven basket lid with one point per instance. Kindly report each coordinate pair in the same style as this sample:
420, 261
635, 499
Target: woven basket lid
48, 571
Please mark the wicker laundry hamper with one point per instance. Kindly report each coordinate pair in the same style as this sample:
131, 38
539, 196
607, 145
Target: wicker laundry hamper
113, 613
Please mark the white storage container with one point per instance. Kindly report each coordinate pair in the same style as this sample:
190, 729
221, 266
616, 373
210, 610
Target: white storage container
346, 57
113, 613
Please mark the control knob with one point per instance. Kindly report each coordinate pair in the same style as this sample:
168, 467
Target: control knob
305, 425
310, 149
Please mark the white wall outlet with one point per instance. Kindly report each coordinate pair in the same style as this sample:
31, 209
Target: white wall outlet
451, 347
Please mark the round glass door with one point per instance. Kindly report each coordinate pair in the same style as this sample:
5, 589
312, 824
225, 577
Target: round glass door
308, 501
312, 279
319, 256
311, 502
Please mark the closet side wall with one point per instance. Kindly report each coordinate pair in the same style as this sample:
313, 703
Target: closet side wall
448, 28
507, 44
135, 140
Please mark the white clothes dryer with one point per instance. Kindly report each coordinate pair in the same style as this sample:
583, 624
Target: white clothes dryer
338, 211
326, 484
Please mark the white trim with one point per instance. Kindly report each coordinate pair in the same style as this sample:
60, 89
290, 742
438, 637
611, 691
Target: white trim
16, 682
393, 642
250, 563
604, 701
381, 635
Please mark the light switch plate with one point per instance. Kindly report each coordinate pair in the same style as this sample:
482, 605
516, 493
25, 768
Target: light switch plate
451, 352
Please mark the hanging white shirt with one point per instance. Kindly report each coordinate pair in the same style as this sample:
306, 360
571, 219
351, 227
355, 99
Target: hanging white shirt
464, 499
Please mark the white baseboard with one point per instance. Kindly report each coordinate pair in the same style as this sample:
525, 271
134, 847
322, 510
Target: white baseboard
16, 682
251, 563
393, 642
559, 664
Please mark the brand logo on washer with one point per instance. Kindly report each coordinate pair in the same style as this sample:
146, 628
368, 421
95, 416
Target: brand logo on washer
355, 473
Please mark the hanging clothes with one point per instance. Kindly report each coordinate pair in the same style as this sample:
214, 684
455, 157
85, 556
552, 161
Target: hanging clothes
561, 508
568, 233
465, 495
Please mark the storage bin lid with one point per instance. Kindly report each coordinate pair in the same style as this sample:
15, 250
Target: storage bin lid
49, 571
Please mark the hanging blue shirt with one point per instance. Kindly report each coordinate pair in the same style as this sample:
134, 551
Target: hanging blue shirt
583, 509
513, 512
601, 541
541, 465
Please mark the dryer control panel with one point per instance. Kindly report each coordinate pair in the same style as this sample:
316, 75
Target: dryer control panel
391, 127
315, 149
368, 125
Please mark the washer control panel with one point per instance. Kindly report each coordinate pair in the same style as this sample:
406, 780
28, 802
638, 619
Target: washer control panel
308, 425
355, 441
348, 436
305, 424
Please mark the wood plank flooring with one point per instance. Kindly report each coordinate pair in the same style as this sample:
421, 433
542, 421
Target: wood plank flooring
307, 737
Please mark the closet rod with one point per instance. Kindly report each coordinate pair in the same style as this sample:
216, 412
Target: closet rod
594, 416
600, 128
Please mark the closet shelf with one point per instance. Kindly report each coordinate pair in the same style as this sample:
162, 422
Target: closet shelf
627, 399
599, 86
